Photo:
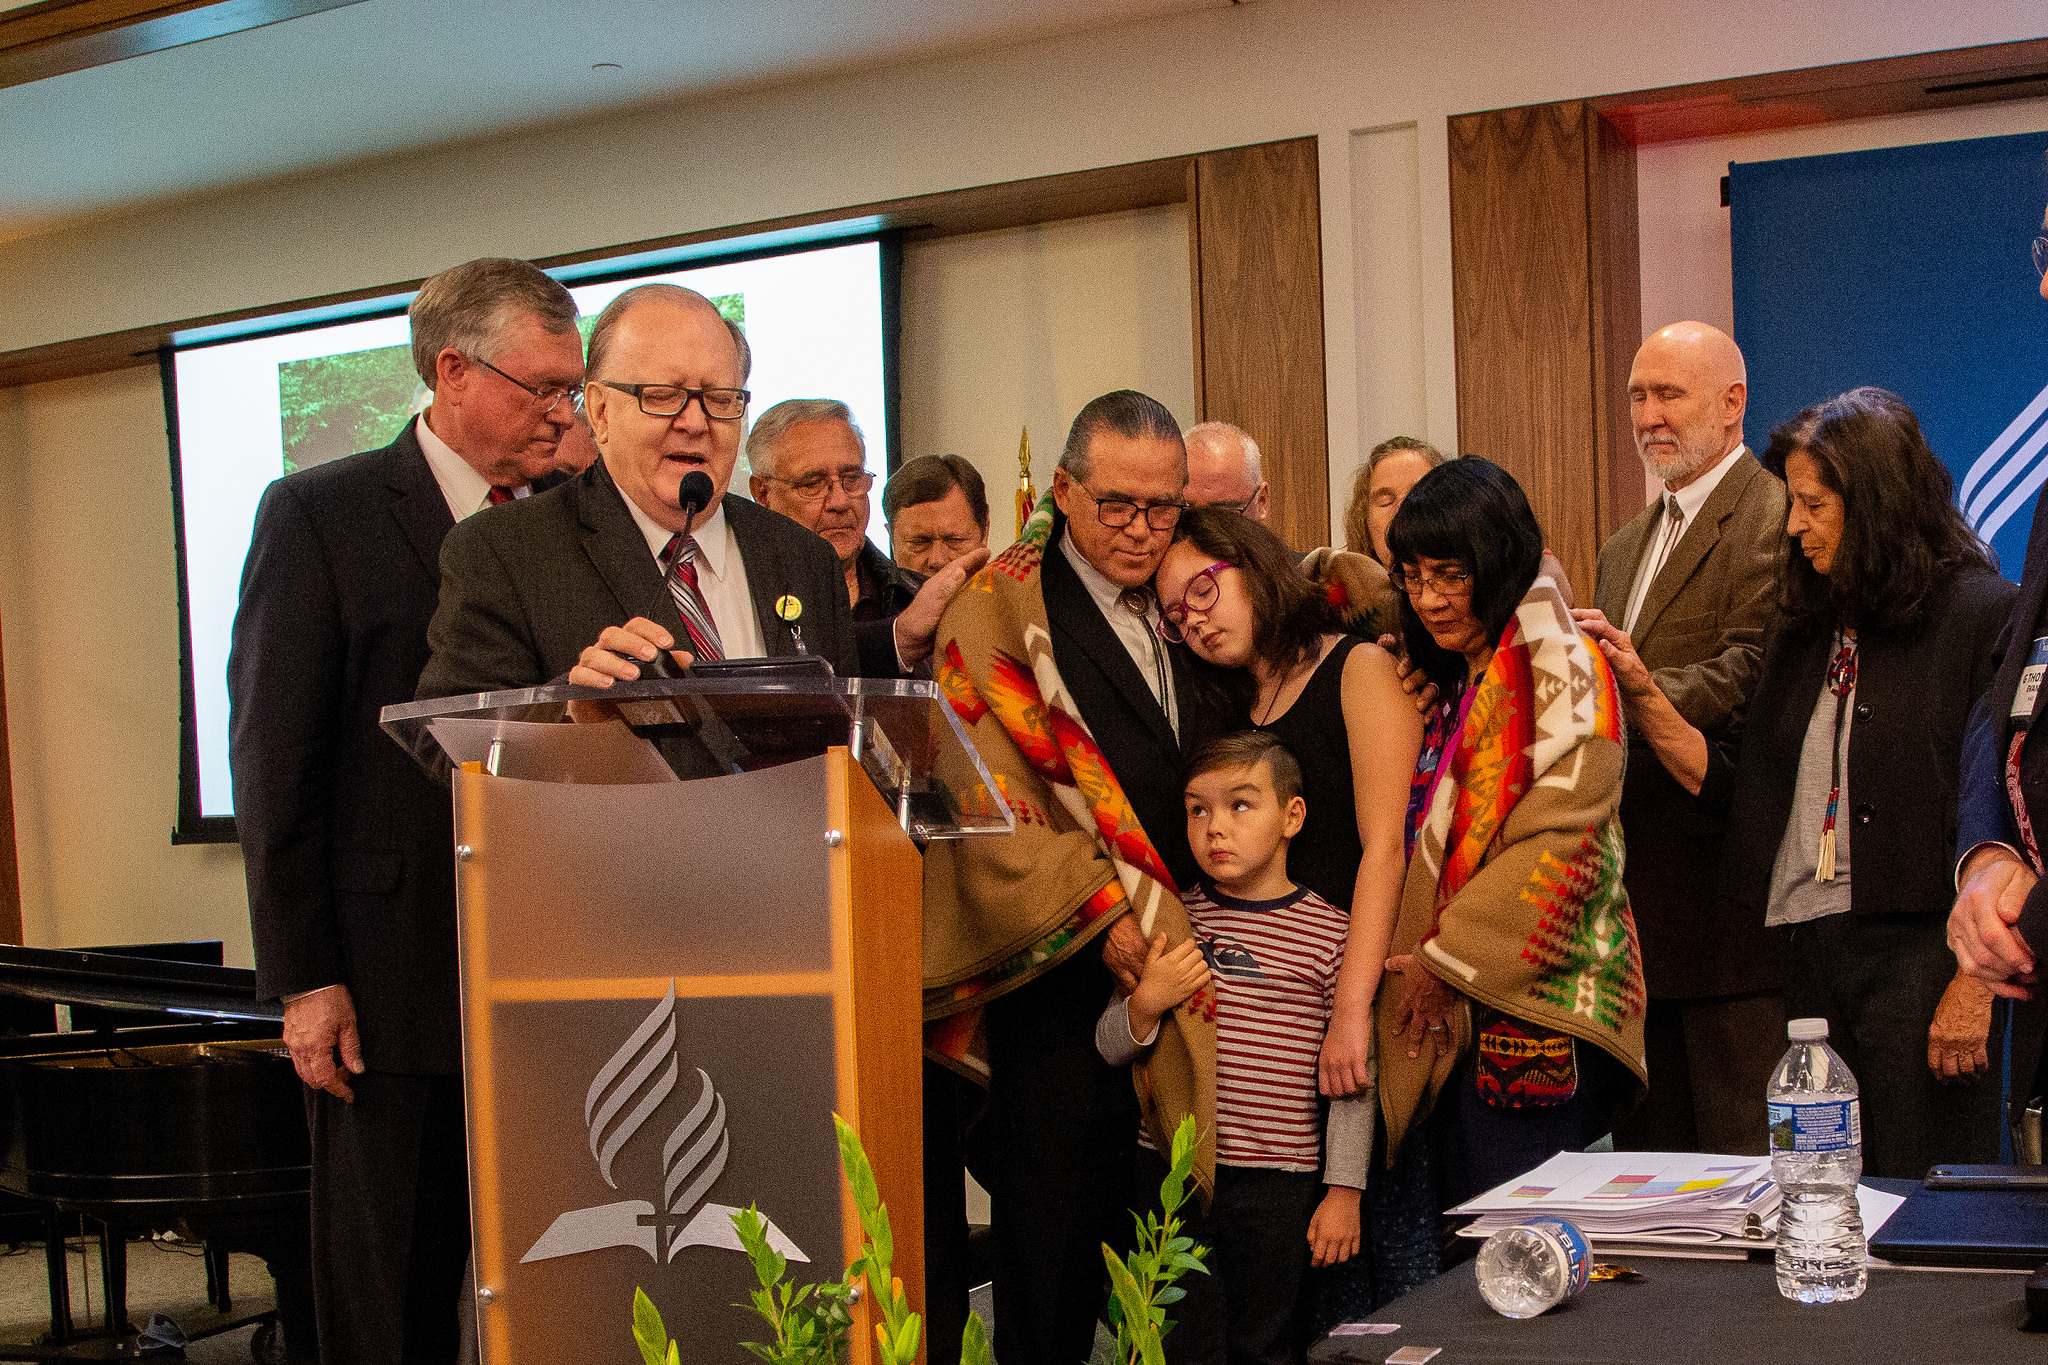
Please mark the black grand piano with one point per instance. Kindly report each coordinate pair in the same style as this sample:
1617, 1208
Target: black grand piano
167, 1102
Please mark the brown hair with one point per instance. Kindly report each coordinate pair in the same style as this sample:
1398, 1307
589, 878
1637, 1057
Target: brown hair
1242, 750
1357, 536
929, 478
1291, 614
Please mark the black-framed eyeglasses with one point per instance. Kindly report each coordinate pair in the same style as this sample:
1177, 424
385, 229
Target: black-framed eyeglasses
545, 399
1445, 583
1199, 595
813, 486
669, 400
1117, 513
2041, 255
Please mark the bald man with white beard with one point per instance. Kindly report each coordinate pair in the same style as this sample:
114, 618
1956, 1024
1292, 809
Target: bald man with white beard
1692, 581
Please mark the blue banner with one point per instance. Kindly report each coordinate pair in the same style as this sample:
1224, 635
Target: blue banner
1907, 268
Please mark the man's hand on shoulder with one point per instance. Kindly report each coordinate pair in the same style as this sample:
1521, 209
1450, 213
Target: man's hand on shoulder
619, 652
918, 624
1631, 676
1414, 681
317, 1026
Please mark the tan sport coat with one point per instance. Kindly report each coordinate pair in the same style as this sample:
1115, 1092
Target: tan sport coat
1701, 633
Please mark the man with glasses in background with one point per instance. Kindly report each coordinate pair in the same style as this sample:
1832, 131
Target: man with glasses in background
345, 841
590, 581
1055, 663
1224, 470
808, 460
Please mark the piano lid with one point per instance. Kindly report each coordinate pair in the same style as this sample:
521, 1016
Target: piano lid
72, 976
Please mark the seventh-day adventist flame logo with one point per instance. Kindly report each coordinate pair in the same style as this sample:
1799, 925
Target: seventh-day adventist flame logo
628, 1091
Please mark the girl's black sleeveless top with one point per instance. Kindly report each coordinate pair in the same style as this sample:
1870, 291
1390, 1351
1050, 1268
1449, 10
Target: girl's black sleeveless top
1324, 857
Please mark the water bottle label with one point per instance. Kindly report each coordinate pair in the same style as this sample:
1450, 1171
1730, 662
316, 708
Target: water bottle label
1572, 1245
1818, 1126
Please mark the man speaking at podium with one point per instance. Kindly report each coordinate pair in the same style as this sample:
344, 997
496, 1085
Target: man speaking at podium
589, 581
347, 843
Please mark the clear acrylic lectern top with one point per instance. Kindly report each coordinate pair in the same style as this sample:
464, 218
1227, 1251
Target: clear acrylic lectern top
714, 721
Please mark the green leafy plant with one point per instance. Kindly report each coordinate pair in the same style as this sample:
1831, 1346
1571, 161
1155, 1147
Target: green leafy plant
896, 1328
649, 1333
810, 1321
1144, 1284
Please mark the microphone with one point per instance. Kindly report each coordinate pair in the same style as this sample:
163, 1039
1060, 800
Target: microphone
693, 495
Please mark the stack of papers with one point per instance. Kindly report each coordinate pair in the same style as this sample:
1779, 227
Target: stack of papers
1655, 1203
1641, 1198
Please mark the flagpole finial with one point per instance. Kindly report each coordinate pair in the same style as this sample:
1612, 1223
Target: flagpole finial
1027, 496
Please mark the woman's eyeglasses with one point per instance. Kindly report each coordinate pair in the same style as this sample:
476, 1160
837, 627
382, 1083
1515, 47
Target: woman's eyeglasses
1199, 595
1445, 583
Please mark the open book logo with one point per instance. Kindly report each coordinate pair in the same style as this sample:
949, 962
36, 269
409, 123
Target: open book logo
628, 1090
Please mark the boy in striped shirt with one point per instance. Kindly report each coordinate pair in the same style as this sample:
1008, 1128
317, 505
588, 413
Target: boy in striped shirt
1287, 1179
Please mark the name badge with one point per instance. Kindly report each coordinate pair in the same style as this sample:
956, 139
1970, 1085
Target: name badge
2030, 684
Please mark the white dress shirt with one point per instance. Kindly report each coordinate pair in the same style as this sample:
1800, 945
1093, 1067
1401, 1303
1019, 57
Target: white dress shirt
465, 490
1138, 634
1664, 537
721, 578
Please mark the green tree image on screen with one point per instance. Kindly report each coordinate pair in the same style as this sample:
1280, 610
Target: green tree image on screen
335, 405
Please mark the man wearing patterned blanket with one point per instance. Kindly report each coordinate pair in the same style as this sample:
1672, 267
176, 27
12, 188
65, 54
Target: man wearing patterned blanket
1052, 658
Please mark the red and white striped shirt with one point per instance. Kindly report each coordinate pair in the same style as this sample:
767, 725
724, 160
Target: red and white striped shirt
1275, 968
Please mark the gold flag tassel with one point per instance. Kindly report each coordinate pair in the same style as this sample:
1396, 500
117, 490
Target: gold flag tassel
1826, 871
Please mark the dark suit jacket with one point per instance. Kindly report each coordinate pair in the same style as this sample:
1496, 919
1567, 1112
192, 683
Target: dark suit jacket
1701, 633
1915, 693
874, 616
1127, 723
527, 585
1985, 809
348, 846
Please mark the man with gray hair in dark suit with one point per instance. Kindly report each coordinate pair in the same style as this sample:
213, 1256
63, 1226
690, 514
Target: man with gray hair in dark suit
348, 846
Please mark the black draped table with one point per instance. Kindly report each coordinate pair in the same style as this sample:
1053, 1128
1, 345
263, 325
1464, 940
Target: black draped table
1700, 1312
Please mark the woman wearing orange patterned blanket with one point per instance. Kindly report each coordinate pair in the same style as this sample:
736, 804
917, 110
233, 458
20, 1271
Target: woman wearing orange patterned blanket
1519, 999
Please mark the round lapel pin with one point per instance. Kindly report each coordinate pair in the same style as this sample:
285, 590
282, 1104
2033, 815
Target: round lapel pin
788, 607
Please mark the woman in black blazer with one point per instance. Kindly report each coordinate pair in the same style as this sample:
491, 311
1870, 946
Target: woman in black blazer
1850, 752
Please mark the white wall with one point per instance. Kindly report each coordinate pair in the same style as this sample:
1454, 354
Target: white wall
88, 602
89, 457
1013, 329
1686, 261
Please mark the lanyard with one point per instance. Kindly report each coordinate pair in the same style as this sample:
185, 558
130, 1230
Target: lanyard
1841, 682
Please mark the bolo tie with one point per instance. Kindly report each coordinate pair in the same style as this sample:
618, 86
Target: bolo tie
1841, 682
1138, 602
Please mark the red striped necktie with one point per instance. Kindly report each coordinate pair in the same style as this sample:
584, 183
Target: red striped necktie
679, 567
498, 495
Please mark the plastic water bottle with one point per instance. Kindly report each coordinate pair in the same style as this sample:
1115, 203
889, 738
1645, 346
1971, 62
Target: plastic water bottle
1816, 1158
1533, 1267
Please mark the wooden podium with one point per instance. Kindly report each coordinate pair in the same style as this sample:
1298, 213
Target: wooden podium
669, 986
